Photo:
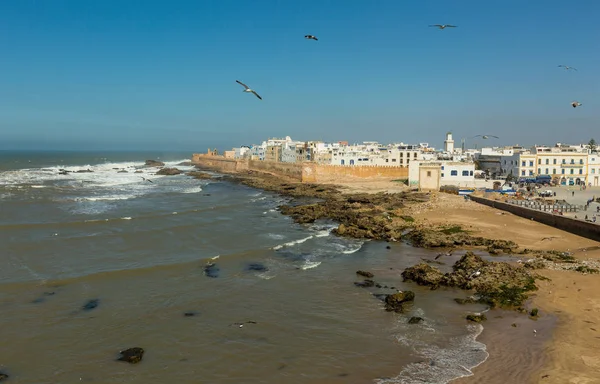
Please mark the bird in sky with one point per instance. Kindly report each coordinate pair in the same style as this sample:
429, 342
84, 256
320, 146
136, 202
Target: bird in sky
247, 89
567, 67
150, 181
486, 136
311, 37
442, 26
576, 104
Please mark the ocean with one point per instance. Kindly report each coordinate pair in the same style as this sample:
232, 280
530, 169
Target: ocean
140, 249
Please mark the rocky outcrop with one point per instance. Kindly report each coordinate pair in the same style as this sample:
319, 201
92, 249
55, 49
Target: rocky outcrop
477, 318
455, 236
399, 302
211, 270
132, 355
169, 171
154, 163
497, 284
84, 171
199, 175
424, 274
365, 284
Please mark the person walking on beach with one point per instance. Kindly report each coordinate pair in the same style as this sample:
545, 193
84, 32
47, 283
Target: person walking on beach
573, 193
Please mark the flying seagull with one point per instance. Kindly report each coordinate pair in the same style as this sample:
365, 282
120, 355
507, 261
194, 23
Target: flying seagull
247, 89
311, 37
442, 26
576, 104
486, 136
567, 67
150, 181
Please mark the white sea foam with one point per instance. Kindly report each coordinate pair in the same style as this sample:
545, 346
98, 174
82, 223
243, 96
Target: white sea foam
310, 265
352, 250
126, 218
443, 364
292, 243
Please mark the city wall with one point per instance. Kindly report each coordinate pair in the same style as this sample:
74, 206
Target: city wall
577, 227
305, 172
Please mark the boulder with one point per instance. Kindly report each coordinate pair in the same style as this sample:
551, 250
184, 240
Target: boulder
365, 274
415, 320
211, 270
257, 267
3, 376
398, 302
132, 355
477, 318
424, 274
91, 304
84, 171
169, 171
365, 284
154, 163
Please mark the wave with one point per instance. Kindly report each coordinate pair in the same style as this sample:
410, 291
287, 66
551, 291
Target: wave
310, 265
442, 364
292, 243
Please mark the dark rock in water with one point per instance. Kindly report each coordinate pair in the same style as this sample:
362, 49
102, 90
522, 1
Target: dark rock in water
3, 376
190, 314
84, 171
365, 274
257, 267
468, 300
415, 320
63, 172
139, 171
211, 270
365, 284
91, 304
478, 318
132, 355
388, 247
122, 171
169, 171
380, 296
206, 194
378, 285
423, 274
398, 302
199, 175
154, 163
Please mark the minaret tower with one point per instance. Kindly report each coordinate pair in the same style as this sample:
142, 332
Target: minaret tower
449, 143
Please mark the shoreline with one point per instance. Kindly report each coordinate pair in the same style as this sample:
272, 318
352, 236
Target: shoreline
566, 353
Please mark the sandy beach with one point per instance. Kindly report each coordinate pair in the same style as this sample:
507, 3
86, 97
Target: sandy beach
570, 354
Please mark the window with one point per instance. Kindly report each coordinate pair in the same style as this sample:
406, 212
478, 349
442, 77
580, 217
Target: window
562, 171
554, 161
531, 163
572, 161
393, 160
554, 171
593, 170
454, 172
572, 171
428, 173
547, 171
539, 161
401, 154
522, 163
470, 173
581, 171
465, 173
530, 173
442, 167
539, 171
564, 161
522, 173
442, 175
547, 161
580, 161
401, 161
388, 160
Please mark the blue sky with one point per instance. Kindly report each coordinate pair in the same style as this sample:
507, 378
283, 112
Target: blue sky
152, 74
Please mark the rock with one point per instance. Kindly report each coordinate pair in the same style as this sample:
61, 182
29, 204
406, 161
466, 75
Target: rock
388, 247
468, 300
3, 376
154, 163
84, 171
477, 318
211, 270
139, 171
122, 171
258, 267
424, 274
498, 284
132, 355
534, 312
398, 302
514, 325
199, 175
91, 304
365, 284
365, 274
185, 164
415, 320
190, 314
169, 171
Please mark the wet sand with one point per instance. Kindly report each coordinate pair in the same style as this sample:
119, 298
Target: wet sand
571, 298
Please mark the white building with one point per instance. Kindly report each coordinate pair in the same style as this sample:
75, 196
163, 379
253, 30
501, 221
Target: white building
241, 152
594, 169
258, 152
460, 174
449, 143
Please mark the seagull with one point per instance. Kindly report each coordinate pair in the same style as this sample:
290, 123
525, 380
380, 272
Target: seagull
576, 104
248, 89
486, 136
150, 181
311, 37
442, 26
567, 67
475, 274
